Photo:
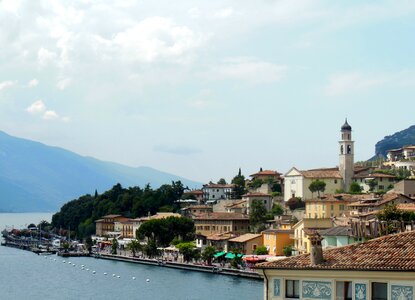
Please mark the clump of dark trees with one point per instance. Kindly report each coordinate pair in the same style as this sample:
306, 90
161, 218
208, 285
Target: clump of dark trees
79, 215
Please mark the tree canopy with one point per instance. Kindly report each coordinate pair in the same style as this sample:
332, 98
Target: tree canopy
317, 186
239, 181
257, 215
79, 215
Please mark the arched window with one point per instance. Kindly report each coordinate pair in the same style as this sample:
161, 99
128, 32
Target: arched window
341, 149
349, 149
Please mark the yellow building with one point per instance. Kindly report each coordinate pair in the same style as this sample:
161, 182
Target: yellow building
246, 243
220, 222
328, 206
382, 268
303, 228
106, 225
275, 240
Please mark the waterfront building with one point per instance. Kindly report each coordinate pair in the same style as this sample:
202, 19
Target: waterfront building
106, 225
382, 268
216, 222
246, 243
275, 240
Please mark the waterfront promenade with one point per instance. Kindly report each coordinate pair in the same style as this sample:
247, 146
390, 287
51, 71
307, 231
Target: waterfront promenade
215, 269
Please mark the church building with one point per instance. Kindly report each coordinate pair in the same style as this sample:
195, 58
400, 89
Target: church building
296, 181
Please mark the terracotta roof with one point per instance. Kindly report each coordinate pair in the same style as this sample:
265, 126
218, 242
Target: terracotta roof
266, 173
334, 198
240, 203
245, 237
256, 194
198, 207
111, 216
194, 192
375, 175
290, 231
221, 216
407, 206
322, 173
388, 253
99, 221
160, 215
220, 236
214, 185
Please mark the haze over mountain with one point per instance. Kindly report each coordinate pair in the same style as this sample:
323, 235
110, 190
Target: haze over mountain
397, 140
37, 177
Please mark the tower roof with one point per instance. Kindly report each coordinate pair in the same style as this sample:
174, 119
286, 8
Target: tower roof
346, 126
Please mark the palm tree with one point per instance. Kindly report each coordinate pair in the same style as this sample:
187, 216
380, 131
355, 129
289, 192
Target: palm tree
134, 246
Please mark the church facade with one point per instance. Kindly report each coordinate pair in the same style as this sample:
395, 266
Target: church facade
297, 181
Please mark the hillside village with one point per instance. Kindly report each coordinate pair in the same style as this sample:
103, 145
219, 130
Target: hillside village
347, 194
271, 215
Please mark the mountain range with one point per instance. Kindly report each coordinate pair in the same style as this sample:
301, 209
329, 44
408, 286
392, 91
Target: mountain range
397, 140
37, 177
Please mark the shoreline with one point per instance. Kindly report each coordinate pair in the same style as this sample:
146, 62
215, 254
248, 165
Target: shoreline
182, 266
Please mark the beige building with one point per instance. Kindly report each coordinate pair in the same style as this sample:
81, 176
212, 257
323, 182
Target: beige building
106, 225
266, 199
246, 243
160, 215
383, 181
194, 210
213, 223
382, 268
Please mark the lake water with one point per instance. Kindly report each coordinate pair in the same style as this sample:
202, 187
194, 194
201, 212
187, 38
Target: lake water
24, 275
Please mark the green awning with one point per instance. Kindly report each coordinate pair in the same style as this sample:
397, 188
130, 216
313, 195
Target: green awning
219, 254
230, 255
240, 255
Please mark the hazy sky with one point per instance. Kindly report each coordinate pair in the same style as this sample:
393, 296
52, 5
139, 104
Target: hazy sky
201, 88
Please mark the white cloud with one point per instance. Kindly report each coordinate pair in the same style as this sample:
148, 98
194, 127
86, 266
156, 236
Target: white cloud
45, 56
32, 83
11, 6
153, 39
63, 83
39, 108
194, 13
6, 84
224, 13
247, 69
50, 115
36, 107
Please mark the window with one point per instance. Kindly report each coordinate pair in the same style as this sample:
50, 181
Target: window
381, 187
335, 181
343, 290
341, 206
254, 246
379, 291
292, 289
331, 207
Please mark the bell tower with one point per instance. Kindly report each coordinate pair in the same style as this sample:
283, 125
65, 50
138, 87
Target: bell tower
346, 156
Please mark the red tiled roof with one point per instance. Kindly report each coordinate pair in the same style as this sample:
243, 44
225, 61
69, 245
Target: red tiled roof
375, 175
215, 185
388, 253
407, 206
266, 173
221, 216
322, 173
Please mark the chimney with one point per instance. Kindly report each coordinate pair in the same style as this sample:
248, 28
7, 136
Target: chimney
316, 254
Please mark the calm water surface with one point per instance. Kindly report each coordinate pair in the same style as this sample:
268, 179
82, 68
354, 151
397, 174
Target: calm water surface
24, 275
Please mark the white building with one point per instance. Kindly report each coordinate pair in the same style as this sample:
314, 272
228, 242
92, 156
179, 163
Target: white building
214, 192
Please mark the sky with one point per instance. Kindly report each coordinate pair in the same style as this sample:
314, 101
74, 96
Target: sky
202, 88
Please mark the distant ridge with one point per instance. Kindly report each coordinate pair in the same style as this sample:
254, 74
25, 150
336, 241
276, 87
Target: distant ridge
37, 177
396, 140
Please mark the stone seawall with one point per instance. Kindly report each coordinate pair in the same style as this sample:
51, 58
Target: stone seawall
183, 266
